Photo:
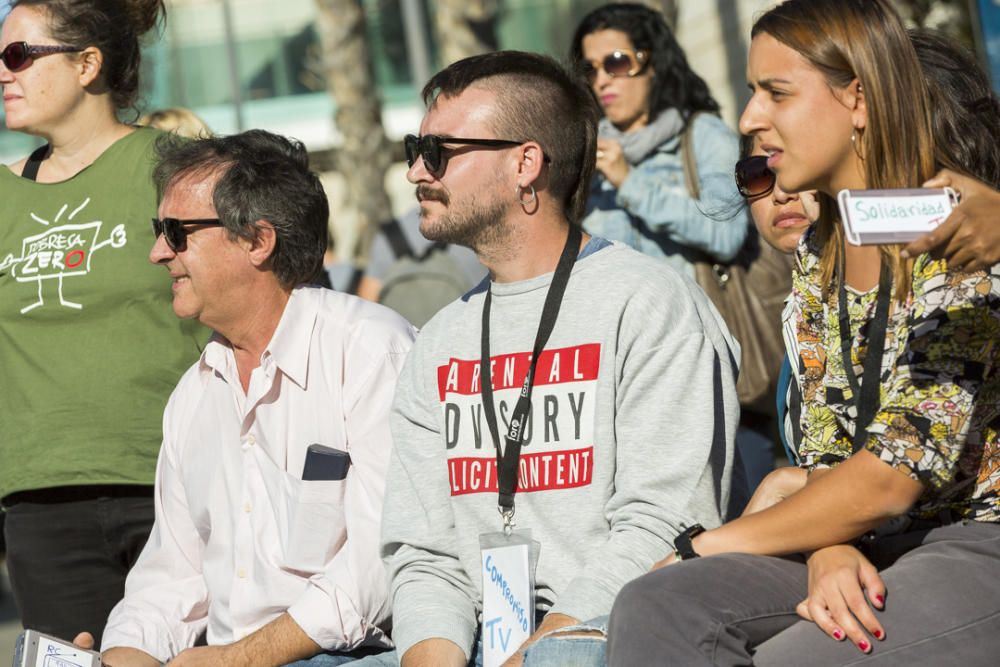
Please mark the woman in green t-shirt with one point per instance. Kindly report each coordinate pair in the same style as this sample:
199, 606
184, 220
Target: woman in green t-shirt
89, 347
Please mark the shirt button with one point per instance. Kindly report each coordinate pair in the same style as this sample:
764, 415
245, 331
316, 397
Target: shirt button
241, 573
247, 507
251, 440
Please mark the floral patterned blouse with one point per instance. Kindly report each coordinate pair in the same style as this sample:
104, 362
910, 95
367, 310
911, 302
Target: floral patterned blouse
939, 415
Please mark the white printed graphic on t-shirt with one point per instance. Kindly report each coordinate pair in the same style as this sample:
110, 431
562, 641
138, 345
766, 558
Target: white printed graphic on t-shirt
59, 252
558, 446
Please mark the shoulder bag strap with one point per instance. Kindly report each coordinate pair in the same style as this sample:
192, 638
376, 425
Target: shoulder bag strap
33, 162
688, 158
394, 235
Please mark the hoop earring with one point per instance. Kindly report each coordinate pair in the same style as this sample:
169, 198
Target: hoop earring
531, 200
857, 145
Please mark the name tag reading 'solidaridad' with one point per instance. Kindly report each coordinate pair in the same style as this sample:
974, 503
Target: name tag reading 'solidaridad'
874, 217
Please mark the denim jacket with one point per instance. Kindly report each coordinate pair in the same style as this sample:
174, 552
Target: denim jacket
653, 212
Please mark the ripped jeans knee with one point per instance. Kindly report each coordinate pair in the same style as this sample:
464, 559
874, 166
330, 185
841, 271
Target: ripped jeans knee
581, 645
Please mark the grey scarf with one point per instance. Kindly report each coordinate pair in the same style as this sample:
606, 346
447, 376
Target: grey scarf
639, 144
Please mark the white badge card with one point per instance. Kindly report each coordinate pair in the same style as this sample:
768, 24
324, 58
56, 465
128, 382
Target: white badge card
508, 563
35, 649
874, 217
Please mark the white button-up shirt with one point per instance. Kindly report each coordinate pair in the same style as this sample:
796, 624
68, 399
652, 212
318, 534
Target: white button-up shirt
239, 537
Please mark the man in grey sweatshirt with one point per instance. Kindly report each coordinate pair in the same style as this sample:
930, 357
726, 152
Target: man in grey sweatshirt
633, 402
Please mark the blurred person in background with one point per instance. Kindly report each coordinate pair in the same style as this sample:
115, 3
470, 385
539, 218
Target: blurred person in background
89, 348
645, 193
182, 122
780, 218
649, 95
416, 276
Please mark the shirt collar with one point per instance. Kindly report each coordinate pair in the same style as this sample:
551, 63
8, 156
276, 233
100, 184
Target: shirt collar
289, 346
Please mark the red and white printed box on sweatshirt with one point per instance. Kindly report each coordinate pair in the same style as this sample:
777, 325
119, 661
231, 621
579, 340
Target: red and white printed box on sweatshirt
558, 447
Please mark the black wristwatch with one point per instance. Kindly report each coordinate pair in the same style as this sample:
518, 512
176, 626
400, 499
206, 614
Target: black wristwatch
683, 548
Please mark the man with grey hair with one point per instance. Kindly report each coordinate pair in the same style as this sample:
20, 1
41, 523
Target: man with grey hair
586, 391
270, 479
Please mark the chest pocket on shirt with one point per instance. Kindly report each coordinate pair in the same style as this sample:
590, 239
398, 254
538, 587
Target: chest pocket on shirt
314, 511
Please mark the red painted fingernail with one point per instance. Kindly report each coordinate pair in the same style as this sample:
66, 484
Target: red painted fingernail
864, 646
878, 634
838, 635
880, 599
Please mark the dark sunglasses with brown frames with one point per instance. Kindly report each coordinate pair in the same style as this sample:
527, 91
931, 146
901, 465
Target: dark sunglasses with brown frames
753, 177
17, 55
620, 62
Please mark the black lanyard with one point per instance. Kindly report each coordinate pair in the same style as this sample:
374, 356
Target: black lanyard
866, 396
508, 460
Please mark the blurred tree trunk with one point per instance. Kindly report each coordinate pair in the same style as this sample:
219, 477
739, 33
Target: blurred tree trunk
466, 28
364, 156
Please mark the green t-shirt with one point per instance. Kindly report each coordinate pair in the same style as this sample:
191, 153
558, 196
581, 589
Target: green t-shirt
90, 348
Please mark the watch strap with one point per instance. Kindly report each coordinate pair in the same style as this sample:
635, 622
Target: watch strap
683, 542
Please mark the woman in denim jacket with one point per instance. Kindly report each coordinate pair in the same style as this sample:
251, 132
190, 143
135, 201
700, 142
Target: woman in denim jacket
648, 92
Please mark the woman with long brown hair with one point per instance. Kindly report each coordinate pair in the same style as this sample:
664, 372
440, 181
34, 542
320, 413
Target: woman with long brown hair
897, 361
89, 347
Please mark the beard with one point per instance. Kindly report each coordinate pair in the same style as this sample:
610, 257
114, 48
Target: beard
473, 223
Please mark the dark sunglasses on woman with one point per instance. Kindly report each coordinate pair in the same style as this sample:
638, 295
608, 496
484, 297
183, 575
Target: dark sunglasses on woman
20, 54
753, 177
621, 62
174, 232
430, 148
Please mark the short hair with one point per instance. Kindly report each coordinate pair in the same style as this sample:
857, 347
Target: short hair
261, 176
675, 84
537, 100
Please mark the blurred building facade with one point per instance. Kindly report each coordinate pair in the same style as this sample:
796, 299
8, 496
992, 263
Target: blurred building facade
258, 63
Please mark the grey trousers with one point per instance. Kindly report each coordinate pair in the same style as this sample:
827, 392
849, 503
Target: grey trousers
942, 608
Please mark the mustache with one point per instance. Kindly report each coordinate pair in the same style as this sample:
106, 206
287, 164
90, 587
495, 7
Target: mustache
426, 192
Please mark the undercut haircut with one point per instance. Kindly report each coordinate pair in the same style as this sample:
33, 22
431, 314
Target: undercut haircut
261, 176
537, 99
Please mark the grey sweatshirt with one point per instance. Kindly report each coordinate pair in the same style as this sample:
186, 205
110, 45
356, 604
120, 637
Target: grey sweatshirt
629, 439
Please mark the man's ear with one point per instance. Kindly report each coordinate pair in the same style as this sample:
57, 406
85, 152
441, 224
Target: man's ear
262, 246
90, 61
530, 160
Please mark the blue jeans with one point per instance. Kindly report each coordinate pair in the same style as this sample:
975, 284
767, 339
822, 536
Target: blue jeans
559, 649
334, 659
555, 649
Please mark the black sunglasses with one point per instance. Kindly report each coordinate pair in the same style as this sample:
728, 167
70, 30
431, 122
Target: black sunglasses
620, 62
19, 54
430, 147
753, 177
173, 230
